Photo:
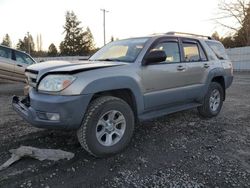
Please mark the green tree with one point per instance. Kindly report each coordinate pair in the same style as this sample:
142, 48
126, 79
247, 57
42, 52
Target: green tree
52, 50
40, 54
73, 40
6, 40
27, 44
88, 42
76, 40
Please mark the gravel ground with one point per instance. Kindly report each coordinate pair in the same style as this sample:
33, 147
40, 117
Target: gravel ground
179, 150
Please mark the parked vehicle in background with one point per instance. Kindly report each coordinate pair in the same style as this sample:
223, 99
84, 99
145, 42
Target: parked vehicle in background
13, 63
126, 81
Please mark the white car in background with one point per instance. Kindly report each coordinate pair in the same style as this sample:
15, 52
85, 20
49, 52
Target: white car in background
13, 63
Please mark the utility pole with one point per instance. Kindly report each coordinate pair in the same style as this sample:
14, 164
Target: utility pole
104, 25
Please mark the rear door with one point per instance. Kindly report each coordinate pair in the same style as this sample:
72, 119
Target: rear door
6, 63
22, 62
197, 67
163, 82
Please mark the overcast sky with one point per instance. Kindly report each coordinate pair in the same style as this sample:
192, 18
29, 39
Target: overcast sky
126, 18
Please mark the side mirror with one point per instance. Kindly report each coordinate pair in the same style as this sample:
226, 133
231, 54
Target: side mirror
155, 56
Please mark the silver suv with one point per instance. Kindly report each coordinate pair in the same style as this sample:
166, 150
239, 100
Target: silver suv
13, 63
126, 81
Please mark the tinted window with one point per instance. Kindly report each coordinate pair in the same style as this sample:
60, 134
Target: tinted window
202, 54
23, 58
218, 49
5, 52
191, 52
171, 49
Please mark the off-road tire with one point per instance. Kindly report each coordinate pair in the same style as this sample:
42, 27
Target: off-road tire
205, 110
87, 132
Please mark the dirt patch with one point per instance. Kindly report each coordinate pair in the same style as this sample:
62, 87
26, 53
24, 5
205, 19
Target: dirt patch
179, 150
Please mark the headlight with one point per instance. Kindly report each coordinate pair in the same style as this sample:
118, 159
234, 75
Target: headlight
55, 82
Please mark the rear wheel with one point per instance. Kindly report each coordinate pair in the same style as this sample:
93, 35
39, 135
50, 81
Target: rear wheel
212, 102
107, 127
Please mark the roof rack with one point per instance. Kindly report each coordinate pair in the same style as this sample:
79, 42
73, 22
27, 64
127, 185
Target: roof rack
189, 34
158, 34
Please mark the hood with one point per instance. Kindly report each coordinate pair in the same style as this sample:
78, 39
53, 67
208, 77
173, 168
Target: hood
69, 67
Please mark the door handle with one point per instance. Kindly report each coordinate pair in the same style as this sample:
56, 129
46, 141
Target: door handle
206, 65
180, 68
19, 65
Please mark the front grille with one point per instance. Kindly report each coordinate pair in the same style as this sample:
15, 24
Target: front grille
32, 77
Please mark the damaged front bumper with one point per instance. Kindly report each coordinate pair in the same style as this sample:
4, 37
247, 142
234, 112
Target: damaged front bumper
52, 111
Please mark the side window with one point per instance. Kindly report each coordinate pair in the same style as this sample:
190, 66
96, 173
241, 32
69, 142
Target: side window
5, 52
202, 54
171, 49
191, 52
23, 58
218, 49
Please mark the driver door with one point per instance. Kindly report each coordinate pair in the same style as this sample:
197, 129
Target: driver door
163, 82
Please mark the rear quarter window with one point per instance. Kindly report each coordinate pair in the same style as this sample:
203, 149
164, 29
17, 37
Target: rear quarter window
218, 49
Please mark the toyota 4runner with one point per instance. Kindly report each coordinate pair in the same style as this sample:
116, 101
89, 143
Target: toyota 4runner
126, 81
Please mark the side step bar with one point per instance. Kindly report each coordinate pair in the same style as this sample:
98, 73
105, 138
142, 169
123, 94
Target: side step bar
166, 111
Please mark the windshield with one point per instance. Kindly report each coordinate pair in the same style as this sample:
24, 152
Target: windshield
124, 50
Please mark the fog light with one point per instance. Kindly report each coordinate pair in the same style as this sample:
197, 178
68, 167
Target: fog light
42, 115
53, 116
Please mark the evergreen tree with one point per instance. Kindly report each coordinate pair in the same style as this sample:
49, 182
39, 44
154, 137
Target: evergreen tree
88, 42
76, 40
52, 50
27, 44
73, 40
6, 40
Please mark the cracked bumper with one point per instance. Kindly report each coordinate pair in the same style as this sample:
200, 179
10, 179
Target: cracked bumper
71, 110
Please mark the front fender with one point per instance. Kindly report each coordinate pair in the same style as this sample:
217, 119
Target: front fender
114, 83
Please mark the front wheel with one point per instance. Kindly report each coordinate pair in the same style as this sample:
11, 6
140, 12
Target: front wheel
212, 102
107, 126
